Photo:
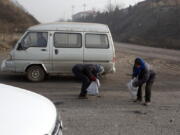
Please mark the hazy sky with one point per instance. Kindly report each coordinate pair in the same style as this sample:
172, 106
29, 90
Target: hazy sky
53, 10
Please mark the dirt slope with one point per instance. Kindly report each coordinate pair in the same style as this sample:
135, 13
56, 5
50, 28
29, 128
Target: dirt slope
14, 18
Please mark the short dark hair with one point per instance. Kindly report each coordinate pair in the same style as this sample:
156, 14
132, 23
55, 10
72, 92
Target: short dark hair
137, 62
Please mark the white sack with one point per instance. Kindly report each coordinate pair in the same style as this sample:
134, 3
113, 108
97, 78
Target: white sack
133, 90
93, 88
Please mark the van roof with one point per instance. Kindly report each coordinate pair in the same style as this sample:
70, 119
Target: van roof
70, 26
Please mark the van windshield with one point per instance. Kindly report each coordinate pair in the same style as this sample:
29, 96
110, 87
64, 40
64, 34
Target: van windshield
35, 39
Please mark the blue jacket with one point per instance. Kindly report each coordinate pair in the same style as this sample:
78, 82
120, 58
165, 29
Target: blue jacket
143, 73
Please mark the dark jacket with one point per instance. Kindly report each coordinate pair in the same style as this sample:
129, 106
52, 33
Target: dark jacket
143, 73
90, 70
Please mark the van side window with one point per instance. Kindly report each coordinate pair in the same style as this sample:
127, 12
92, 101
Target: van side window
67, 40
35, 39
97, 41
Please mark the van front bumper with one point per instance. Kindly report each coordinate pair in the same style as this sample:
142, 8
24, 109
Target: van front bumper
8, 65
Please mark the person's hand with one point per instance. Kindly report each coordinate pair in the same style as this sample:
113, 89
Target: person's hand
93, 78
135, 84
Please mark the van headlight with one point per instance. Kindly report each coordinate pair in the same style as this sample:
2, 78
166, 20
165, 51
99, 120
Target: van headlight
9, 57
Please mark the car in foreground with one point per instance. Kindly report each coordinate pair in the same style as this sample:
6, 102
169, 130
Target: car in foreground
26, 113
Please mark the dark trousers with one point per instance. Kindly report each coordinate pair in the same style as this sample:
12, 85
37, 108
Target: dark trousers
148, 87
84, 79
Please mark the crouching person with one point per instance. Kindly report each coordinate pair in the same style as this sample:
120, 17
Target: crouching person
144, 74
87, 73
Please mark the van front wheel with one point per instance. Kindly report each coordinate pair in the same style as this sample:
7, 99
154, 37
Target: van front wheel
35, 73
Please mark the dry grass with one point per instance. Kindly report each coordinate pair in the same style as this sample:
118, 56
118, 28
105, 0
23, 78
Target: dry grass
8, 40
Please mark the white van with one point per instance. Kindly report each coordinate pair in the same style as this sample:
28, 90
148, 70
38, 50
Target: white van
56, 47
26, 113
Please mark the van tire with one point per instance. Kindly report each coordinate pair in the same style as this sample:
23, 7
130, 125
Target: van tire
35, 73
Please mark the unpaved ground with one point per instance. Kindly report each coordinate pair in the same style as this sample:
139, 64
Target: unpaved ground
114, 113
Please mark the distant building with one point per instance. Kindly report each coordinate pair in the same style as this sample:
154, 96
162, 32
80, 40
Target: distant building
83, 14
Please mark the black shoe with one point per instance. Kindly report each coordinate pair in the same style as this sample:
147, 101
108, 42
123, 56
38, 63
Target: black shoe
82, 97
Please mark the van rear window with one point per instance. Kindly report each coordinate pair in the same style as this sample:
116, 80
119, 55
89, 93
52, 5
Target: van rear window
67, 40
97, 41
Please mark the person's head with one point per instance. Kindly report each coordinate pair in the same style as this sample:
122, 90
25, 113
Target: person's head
100, 69
138, 62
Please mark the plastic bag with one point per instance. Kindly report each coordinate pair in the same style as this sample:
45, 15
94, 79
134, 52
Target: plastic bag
133, 90
93, 88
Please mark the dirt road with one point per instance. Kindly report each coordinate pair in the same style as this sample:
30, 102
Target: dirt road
114, 113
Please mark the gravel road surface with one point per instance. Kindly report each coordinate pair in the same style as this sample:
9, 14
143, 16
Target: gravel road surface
114, 113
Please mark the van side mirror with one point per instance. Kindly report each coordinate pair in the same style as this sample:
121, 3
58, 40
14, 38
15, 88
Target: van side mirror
20, 47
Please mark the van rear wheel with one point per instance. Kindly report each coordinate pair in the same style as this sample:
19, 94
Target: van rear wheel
35, 73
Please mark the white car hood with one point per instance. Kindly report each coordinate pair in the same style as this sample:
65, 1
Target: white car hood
25, 113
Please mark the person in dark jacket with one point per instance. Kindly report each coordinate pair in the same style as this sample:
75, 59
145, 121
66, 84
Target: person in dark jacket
144, 74
87, 73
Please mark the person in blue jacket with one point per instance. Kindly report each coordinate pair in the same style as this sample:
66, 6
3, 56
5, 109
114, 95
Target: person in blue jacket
87, 73
144, 74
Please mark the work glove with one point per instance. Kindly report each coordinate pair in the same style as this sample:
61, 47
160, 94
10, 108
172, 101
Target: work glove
93, 78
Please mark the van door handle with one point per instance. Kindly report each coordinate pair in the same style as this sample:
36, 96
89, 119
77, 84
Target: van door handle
43, 50
56, 51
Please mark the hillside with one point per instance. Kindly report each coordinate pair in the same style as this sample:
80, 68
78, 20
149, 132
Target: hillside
151, 22
14, 18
